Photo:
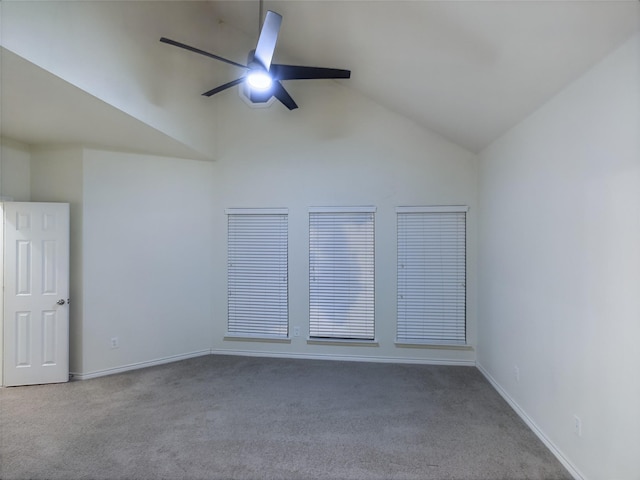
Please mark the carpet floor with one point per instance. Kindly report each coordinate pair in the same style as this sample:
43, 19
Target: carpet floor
226, 417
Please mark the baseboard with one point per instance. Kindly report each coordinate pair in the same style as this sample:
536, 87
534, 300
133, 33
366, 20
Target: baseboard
573, 470
136, 366
251, 353
345, 358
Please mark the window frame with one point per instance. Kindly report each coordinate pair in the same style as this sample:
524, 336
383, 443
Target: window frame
359, 329
258, 278
459, 337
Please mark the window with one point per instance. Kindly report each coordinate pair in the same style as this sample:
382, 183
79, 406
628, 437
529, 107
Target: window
432, 275
341, 273
257, 272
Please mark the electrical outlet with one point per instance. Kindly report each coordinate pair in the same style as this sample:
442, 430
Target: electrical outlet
577, 425
115, 343
516, 373
296, 331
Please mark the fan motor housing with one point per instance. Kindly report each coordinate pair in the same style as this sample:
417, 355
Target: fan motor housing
254, 99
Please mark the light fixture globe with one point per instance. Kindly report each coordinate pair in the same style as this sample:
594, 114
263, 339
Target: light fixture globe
259, 80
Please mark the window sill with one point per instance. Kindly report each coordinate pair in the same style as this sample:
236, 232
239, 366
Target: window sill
439, 346
343, 343
240, 338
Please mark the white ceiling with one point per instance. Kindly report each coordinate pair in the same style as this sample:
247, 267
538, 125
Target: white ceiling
468, 70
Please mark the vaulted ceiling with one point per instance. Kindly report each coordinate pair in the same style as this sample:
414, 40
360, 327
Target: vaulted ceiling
95, 73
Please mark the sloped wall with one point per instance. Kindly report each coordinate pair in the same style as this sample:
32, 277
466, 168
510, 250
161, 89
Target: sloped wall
155, 83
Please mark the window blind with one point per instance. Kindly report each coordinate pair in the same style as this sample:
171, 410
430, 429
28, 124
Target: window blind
431, 275
341, 273
257, 272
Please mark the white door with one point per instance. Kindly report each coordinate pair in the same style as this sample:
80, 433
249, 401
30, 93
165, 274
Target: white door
36, 291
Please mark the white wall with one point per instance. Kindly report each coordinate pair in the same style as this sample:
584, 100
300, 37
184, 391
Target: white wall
14, 186
147, 248
14, 170
56, 176
141, 240
339, 149
560, 267
2, 296
149, 233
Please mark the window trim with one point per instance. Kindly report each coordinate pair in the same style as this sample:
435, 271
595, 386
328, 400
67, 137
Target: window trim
357, 209
434, 209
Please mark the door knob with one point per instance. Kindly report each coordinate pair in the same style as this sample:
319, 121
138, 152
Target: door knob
61, 301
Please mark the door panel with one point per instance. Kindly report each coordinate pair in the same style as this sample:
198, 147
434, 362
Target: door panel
36, 312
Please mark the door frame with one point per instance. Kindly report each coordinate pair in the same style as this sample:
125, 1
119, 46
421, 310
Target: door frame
2, 294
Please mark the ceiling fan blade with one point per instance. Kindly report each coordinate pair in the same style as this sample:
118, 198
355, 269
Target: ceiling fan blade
281, 94
230, 84
297, 72
268, 38
201, 52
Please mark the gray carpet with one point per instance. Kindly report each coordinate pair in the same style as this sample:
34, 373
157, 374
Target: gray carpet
224, 417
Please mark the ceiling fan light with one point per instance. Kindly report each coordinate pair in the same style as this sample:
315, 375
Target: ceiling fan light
259, 80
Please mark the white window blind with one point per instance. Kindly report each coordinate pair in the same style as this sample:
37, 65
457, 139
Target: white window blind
341, 273
257, 272
431, 275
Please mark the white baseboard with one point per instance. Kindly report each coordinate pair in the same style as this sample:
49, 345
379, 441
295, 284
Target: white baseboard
346, 358
250, 353
573, 470
136, 366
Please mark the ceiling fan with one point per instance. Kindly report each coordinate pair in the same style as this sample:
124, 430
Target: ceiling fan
263, 77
